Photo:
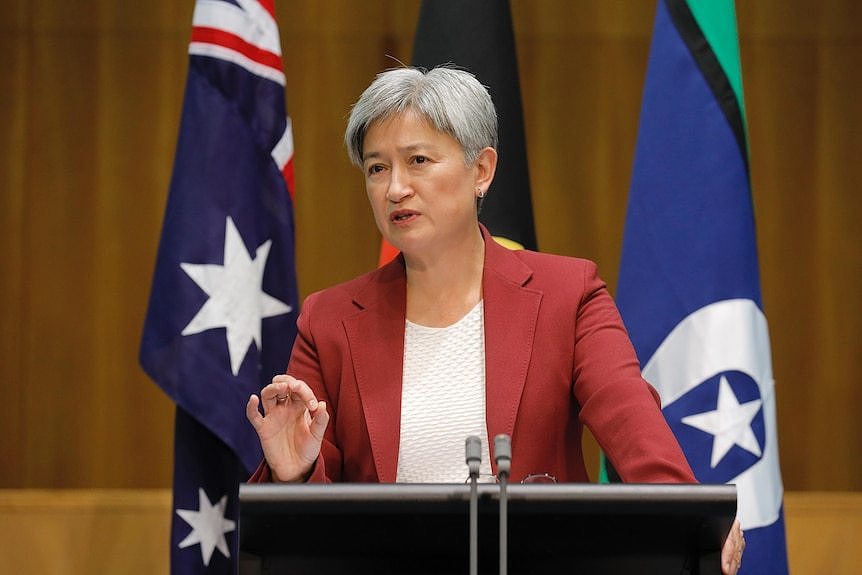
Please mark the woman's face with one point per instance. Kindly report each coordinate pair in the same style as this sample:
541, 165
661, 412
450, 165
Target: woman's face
422, 193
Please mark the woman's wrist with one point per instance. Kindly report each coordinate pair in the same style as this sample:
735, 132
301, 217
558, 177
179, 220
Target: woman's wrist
288, 477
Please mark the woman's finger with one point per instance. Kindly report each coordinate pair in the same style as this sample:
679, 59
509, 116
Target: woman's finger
731, 552
274, 394
319, 421
298, 389
252, 412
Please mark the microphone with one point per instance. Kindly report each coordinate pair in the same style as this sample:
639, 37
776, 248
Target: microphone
473, 455
473, 450
503, 457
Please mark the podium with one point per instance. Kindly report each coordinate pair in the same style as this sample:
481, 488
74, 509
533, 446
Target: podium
424, 529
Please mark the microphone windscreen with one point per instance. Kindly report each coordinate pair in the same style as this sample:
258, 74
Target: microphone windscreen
502, 447
473, 449
473, 452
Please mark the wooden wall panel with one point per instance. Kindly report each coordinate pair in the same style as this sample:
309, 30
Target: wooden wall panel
13, 117
800, 65
60, 252
90, 105
838, 268
823, 532
71, 532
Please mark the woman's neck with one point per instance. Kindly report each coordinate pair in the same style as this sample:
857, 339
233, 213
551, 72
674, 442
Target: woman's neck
443, 288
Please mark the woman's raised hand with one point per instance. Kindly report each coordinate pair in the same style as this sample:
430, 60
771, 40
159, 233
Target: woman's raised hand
291, 427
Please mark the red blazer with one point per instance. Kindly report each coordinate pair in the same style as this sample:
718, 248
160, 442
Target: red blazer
556, 357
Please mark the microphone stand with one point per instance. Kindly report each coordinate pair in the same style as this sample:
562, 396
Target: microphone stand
473, 450
503, 457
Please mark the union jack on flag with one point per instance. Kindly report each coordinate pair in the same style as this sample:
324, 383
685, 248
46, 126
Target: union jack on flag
245, 33
222, 311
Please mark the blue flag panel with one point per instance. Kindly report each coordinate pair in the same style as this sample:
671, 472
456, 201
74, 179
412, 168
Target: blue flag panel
689, 289
222, 311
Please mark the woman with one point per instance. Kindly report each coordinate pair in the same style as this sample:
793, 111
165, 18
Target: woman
458, 336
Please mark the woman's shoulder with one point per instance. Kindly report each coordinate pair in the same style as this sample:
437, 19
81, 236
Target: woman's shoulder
344, 297
541, 269
340, 292
555, 266
551, 261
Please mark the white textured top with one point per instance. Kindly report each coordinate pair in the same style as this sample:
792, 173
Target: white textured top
442, 400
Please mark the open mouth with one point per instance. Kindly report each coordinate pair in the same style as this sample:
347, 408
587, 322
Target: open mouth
401, 216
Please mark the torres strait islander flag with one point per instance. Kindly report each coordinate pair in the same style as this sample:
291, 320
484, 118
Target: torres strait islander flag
478, 36
689, 286
222, 311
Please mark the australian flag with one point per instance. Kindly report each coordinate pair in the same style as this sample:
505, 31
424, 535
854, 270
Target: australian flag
222, 311
689, 287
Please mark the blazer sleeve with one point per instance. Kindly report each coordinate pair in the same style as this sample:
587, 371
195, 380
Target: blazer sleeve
305, 365
621, 409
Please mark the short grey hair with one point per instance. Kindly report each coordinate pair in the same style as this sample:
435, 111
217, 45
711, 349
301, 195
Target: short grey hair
452, 100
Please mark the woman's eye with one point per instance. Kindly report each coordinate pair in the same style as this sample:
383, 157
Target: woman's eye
375, 169
420, 160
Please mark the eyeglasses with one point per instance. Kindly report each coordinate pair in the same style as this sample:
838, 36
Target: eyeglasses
532, 478
539, 478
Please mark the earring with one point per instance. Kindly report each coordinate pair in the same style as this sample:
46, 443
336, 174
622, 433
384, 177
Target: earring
480, 193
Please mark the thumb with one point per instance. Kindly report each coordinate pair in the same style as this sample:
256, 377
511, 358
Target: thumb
252, 412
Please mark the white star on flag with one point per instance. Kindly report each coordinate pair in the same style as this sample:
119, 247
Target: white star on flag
729, 423
208, 526
236, 301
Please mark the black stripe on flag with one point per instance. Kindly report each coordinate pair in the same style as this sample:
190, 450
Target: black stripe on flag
710, 67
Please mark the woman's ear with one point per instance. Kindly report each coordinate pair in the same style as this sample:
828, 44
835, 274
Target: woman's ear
486, 166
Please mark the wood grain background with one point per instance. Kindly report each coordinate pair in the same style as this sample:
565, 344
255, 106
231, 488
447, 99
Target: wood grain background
90, 97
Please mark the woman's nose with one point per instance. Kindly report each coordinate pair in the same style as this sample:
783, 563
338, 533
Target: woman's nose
400, 187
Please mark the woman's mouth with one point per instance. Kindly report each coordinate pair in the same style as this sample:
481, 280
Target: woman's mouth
402, 216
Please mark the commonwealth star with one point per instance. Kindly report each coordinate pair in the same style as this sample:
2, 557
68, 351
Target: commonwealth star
208, 526
236, 301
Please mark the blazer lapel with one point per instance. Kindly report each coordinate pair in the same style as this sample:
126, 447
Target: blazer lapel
376, 339
511, 314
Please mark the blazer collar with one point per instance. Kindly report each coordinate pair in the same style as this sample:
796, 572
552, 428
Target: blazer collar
376, 338
511, 314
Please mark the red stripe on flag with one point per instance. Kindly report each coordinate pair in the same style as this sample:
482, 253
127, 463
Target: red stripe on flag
287, 172
234, 42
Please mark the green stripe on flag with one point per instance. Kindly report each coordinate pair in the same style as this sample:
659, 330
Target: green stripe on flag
717, 20
714, 70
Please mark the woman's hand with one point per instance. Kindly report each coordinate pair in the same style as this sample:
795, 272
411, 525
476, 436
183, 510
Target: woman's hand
731, 553
291, 429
